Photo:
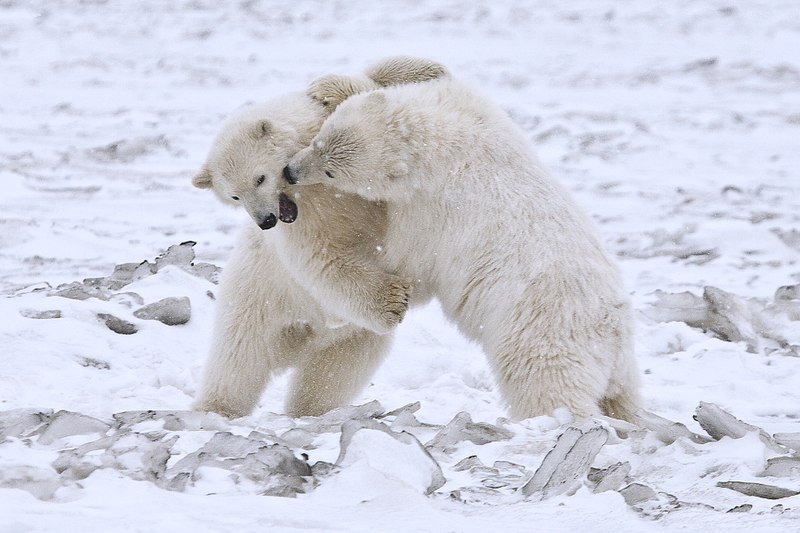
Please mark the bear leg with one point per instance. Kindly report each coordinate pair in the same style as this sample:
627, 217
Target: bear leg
534, 382
622, 399
251, 338
337, 372
400, 70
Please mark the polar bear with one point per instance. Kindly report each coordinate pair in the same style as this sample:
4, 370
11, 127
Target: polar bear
516, 264
308, 294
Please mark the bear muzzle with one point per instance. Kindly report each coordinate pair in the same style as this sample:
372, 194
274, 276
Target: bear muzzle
268, 221
287, 212
289, 176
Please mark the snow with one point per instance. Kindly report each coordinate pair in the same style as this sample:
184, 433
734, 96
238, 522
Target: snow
675, 125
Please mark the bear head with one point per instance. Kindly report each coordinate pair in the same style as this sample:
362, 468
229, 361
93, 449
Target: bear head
359, 150
244, 167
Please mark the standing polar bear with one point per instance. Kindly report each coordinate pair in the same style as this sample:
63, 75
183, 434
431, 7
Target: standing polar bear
516, 264
309, 294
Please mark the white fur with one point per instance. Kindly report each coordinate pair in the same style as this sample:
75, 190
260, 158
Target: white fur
514, 261
310, 295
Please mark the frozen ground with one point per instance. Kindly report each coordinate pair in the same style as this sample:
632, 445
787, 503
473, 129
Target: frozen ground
675, 124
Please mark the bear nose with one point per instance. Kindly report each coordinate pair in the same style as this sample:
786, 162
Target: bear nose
268, 222
288, 176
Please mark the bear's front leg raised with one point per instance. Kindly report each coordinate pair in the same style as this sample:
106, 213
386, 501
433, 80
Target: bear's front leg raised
362, 295
388, 304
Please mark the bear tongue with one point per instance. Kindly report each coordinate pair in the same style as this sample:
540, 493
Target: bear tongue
288, 209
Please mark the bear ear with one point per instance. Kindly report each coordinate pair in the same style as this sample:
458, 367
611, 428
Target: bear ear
262, 128
202, 180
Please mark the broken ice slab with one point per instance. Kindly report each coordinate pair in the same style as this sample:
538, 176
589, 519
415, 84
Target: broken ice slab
80, 291
170, 311
117, 325
611, 478
743, 508
730, 317
468, 463
125, 274
226, 444
66, 423
722, 313
176, 420
299, 438
759, 490
505, 474
666, 430
567, 463
332, 420
462, 428
206, 271
636, 493
783, 467
678, 307
405, 459
22, 422
788, 292
479, 496
719, 423
790, 440
410, 408
404, 418
273, 456
42, 483
40, 314
271, 465
180, 255
127, 150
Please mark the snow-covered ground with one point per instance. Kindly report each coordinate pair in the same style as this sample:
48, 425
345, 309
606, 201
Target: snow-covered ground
675, 124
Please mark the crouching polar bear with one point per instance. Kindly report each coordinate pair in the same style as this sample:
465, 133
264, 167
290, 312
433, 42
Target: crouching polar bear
309, 295
516, 264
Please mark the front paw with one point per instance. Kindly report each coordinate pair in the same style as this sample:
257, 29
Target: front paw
333, 89
215, 405
394, 303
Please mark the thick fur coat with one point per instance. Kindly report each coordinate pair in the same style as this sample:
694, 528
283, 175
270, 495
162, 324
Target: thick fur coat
474, 216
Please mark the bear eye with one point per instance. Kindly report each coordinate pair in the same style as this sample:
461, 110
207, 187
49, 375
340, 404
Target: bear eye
235, 198
328, 173
260, 180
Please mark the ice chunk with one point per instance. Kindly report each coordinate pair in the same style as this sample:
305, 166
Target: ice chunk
22, 422
180, 255
759, 490
462, 428
398, 455
719, 423
666, 430
567, 463
333, 420
66, 423
176, 420
40, 314
42, 483
730, 318
783, 467
636, 493
117, 325
790, 440
170, 311
611, 478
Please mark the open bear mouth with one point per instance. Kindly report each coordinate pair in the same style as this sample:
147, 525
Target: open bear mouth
288, 209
